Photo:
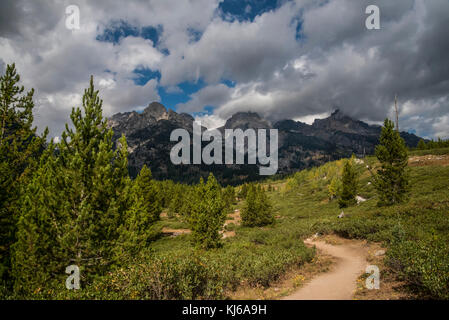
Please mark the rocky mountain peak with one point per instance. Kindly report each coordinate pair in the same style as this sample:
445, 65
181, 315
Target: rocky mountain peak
155, 110
338, 121
185, 120
337, 115
245, 120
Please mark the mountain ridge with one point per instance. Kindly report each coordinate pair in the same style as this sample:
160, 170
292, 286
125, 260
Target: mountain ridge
300, 145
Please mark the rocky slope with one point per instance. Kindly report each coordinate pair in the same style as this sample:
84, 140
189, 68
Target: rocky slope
300, 145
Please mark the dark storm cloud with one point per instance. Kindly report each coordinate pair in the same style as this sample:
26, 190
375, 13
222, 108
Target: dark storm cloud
334, 62
342, 64
10, 18
21, 18
408, 55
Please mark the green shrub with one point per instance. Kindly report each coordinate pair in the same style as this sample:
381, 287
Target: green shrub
166, 277
424, 264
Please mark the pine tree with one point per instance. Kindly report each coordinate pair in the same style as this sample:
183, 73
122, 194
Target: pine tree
421, 144
177, 201
74, 208
137, 230
188, 202
391, 180
145, 208
20, 149
334, 188
149, 191
257, 209
349, 185
265, 215
37, 254
249, 211
243, 191
166, 193
208, 214
229, 197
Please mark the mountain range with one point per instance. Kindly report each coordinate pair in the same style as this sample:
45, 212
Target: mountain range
300, 145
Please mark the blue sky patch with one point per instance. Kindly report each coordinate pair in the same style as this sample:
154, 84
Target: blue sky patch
194, 35
117, 30
171, 99
145, 75
299, 34
228, 83
247, 10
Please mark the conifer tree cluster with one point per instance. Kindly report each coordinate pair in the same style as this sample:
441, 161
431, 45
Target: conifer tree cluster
432, 144
67, 203
391, 180
349, 185
257, 209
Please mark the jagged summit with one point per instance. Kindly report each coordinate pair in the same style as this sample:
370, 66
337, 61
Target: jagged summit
151, 115
338, 121
337, 114
245, 120
155, 110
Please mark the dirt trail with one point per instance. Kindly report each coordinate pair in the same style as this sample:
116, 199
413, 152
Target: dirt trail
340, 282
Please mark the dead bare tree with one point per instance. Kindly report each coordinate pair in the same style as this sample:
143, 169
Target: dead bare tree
396, 111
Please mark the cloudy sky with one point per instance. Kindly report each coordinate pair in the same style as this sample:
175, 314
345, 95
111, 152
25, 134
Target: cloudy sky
211, 58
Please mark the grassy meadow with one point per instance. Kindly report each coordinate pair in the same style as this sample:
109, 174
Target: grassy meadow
416, 234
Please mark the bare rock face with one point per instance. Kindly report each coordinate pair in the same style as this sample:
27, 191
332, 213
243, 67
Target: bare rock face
300, 145
156, 111
246, 120
338, 121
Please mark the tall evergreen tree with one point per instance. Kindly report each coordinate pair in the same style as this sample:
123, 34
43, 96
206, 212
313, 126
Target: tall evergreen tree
147, 188
229, 197
73, 209
349, 185
177, 200
257, 210
421, 144
391, 180
144, 209
208, 214
166, 188
243, 191
20, 149
334, 188
41, 226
